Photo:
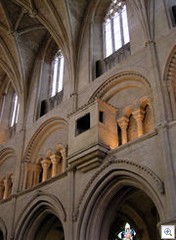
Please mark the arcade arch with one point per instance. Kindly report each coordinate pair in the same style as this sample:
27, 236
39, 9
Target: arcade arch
42, 219
116, 196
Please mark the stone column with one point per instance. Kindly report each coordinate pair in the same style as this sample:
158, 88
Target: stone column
37, 169
1, 189
63, 154
55, 158
172, 98
139, 116
45, 165
30, 175
25, 169
7, 187
2, 106
123, 123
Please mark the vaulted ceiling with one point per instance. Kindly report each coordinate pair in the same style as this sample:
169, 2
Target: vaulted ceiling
26, 24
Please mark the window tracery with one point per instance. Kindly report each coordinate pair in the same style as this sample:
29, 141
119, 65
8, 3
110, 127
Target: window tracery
116, 32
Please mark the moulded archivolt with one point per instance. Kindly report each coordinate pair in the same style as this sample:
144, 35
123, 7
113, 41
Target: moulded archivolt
119, 82
37, 207
43, 132
170, 76
126, 169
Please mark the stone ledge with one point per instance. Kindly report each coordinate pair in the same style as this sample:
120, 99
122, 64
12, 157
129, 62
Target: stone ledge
88, 159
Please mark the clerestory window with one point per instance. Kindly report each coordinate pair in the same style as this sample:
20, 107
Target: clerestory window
116, 32
57, 74
14, 110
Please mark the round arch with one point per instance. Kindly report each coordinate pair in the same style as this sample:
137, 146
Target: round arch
46, 129
113, 197
6, 153
121, 82
43, 218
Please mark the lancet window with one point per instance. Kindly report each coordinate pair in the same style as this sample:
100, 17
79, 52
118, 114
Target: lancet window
14, 110
56, 84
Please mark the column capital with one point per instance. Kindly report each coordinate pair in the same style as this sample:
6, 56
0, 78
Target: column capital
55, 158
45, 163
63, 153
138, 114
123, 122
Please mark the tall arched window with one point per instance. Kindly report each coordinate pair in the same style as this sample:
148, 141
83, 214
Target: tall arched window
116, 32
14, 110
57, 74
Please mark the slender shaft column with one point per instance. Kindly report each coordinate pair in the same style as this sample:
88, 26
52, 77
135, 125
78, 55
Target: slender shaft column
123, 123
2, 106
139, 116
172, 99
7, 186
55, 158
45, 165
25, 179
30, 175
37, 170
1, 190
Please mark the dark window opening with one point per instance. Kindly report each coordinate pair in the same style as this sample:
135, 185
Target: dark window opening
1, 235
43, 108
40, 176
101, 116
99, 67
174, 13
83, 124
119, 131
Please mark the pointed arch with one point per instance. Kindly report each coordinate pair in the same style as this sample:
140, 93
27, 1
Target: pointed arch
108, 181
170, 86
37, 208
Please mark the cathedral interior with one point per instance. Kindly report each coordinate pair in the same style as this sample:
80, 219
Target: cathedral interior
87, 118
